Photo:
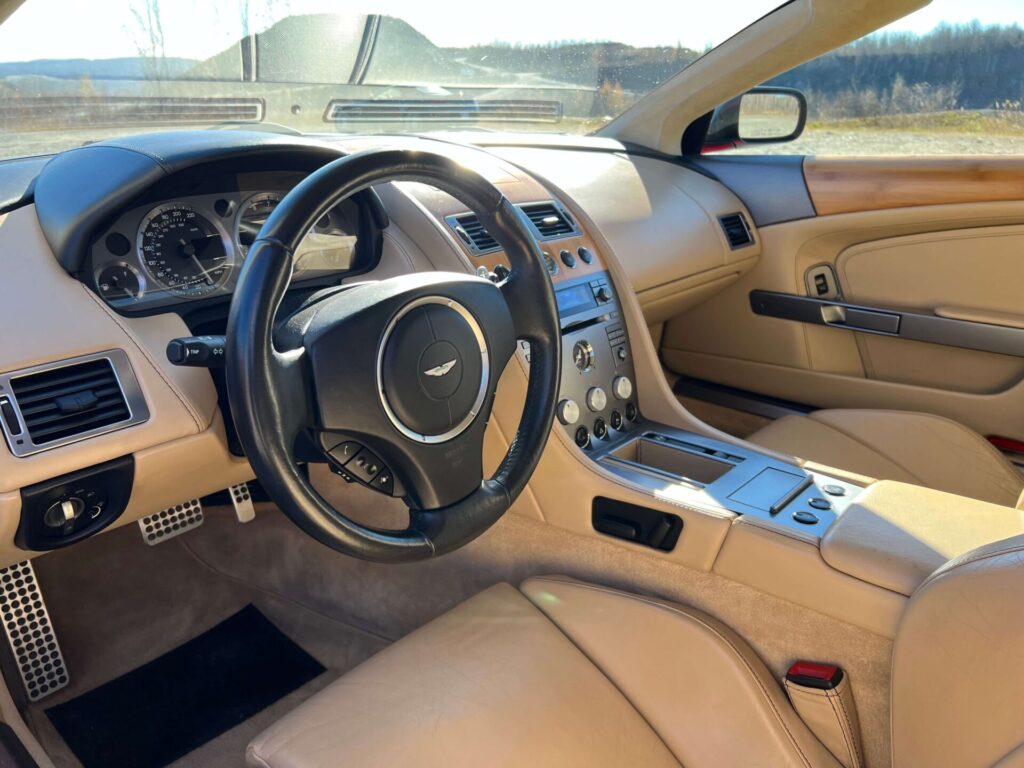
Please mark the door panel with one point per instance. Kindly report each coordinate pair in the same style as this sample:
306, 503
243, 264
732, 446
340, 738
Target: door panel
962, 259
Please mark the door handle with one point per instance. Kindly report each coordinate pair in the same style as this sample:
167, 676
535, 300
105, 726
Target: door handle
857, 319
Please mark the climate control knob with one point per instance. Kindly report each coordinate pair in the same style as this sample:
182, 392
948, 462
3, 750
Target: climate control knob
568, 412
596, 399
622, 387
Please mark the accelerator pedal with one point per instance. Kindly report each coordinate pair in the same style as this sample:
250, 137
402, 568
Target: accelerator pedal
171, 522
30, 632
241, 500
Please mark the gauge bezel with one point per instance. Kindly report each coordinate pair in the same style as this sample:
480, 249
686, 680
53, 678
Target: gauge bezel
242, 250
212, 220
131, 268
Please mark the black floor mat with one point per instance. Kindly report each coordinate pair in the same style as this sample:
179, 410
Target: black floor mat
164, 709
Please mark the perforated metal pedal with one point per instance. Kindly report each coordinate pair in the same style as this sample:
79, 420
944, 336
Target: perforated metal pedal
30, 632
241, 500
171, 522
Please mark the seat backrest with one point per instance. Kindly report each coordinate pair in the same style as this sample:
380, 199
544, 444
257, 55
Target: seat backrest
958, 664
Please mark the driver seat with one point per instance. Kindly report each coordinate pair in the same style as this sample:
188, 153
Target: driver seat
563, 673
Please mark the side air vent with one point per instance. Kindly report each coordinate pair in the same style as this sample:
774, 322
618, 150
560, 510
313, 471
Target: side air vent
736, 229
469, 229
550, 220
448, 111
57, 404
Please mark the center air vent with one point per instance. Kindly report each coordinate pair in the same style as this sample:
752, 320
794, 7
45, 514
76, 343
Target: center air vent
57, 404
549, 220
736, 229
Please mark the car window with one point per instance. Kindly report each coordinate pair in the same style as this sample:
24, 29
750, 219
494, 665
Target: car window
948, 79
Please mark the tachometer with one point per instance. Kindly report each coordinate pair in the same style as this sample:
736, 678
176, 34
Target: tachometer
251, 216
183, 251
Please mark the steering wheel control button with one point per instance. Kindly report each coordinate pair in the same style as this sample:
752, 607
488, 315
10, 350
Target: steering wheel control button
568, 259
365, 466
822, 504
582, 437
345, 452
384, 482
433, 370
597, 400
834, 490
600, 429
585, 255
622, 387
804, 517
568, 412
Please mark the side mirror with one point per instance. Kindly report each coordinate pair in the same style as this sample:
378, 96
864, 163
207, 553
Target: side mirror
762, 115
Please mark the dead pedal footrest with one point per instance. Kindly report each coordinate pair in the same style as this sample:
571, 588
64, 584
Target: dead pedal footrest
30, 632
171, 522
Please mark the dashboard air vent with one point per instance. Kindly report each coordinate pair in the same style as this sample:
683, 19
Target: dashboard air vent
56, 404
468, 227
736, 229
447, 111
549, 220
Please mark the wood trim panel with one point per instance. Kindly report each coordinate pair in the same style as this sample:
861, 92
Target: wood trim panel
848, 184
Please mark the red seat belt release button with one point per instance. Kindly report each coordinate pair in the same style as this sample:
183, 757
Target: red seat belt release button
824, 677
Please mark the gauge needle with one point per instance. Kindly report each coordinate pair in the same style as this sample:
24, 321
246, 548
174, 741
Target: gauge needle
204, 272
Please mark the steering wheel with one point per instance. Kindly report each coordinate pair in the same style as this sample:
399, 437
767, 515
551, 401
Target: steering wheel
392, 382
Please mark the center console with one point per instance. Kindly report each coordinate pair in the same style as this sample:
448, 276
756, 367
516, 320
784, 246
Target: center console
598, 409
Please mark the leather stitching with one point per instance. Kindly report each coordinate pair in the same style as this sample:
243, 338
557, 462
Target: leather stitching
153, 364
713, 630
846, 727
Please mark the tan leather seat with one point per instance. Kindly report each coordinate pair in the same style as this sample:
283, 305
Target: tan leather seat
559, 674
570, 674
916, 448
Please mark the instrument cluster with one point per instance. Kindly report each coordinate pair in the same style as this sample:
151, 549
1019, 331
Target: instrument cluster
193, 247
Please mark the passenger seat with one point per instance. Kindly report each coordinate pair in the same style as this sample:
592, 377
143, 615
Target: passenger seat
916, 448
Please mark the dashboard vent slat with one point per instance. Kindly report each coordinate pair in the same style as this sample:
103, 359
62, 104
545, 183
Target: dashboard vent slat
549, 220
468, 227
736, 230
448, 111
71, 400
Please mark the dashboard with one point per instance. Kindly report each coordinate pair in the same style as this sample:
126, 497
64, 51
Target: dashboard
178, 248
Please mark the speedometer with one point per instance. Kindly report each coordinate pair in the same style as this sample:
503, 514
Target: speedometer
183, 251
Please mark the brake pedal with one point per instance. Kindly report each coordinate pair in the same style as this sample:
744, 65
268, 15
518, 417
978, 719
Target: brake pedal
241, 500
30, 632
171, 522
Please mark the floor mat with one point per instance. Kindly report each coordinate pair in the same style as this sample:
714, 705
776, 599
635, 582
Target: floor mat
164, 709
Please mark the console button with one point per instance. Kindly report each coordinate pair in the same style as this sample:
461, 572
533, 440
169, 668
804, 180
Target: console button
631, 412
568, 412
616, 420
805, 518
583, 355
603, 295
822, 504
582, 437
585, 255
568, 259
600, 429
834, 490
597, 400
622, 387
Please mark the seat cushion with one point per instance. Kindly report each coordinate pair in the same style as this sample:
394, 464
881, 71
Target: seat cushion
916, 448
569, 674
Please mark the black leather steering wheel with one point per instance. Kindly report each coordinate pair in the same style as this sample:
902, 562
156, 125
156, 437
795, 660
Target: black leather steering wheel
391, 381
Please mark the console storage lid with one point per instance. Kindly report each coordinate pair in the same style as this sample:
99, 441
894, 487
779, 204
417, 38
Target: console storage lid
895, 534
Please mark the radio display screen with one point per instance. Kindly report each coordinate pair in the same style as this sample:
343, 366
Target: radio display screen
575, 299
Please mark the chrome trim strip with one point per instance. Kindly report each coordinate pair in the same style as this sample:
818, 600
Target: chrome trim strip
485, 371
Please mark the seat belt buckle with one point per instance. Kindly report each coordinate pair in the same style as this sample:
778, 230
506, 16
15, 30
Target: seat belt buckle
822, 697
823, 677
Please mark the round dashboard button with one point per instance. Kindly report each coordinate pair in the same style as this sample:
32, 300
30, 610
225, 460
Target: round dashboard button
823, 504
834, 490
805, 518
568, 259
585, 255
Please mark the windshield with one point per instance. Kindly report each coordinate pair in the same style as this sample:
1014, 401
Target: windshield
73, 72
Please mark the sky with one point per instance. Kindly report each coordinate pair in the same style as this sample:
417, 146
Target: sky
64, 29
